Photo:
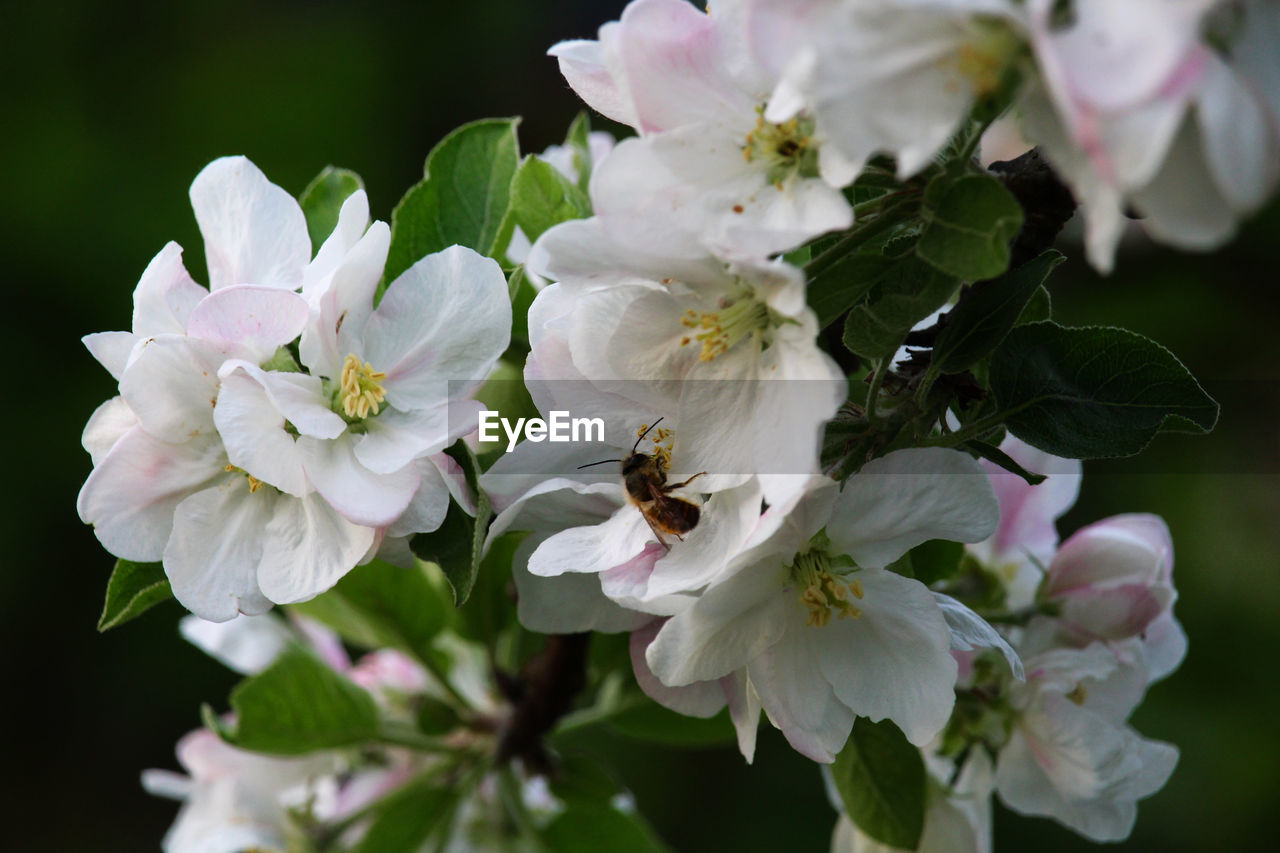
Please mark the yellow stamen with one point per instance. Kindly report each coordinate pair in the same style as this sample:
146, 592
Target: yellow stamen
362, 391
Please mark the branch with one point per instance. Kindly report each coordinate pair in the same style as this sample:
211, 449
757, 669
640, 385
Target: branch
541, 694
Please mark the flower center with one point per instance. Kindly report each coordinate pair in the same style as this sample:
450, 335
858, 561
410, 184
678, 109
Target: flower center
982, 60
361, 388
784, 149
719, 330
663, 440
823, 592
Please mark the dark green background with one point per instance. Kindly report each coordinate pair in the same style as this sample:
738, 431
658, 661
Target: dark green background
109, 110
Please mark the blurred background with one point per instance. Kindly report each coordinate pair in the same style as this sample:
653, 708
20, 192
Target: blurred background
109, 111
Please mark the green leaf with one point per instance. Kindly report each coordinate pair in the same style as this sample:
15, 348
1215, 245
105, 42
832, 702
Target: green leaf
839, 288
542, 197
987, 312
935, 560
462, 200
579, 140
381, 605
458, 545
649, 721
969, 230
522, 293
1094, 392
134, 588
322, 201
410, 816
909, 293
299, 705
1039, 308
591, 828
881, 780
994, 454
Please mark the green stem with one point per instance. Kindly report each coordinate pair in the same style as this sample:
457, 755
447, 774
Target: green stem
856, 237
974, 140
877, 380
400, 734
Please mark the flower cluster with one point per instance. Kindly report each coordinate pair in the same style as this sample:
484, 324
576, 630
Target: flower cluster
276, 430
848, 533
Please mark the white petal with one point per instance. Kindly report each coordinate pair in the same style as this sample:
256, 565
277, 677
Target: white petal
908, 497
732, 623
430, 503
341, 311
583, 66
700, 699
166, 295
308, 548
593, 548
970, 631
254, 232
396, 438
447, 317
798, 700
111, 349
353, 219
894, 661
567, 604
358, 494
744, 710
172, 386
107, 425
213, 555
246, 644
133, 491
253, 430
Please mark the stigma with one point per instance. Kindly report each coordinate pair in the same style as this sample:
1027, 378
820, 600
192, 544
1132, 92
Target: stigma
824, 593
785, 148
718, 331
361, 388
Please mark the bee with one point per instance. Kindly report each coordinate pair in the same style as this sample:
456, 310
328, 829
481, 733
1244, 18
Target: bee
645, 478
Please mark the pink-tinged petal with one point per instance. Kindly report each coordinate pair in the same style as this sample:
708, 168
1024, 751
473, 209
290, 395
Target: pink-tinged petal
246, 644
131, 496
744, 710
676, 72
254, 232
111, 349
353, 220
258, 319
107, 425
324, 641
255, 435
908, 497
628, 584
1028, 513
213, 555
1183, 205
358, 494
732, 623
700, 699
447, 317
340, 313
308, 548
894, 661
584, 67
1113, 613
798, 700
1134, 548
166, 295
172, 386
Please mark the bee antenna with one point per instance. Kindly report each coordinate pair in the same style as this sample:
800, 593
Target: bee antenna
601, 462
646, 432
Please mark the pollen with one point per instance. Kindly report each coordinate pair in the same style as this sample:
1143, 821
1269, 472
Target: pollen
663, 442
254, 483
823, 593
784, 148
361, 388
718, 331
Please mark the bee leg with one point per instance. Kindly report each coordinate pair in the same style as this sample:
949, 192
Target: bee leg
673, 486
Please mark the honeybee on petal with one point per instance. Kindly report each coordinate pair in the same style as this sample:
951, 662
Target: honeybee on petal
645, 477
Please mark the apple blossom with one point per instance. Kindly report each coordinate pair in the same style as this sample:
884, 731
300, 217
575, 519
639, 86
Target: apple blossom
708, 156
1070, 756
823, 630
